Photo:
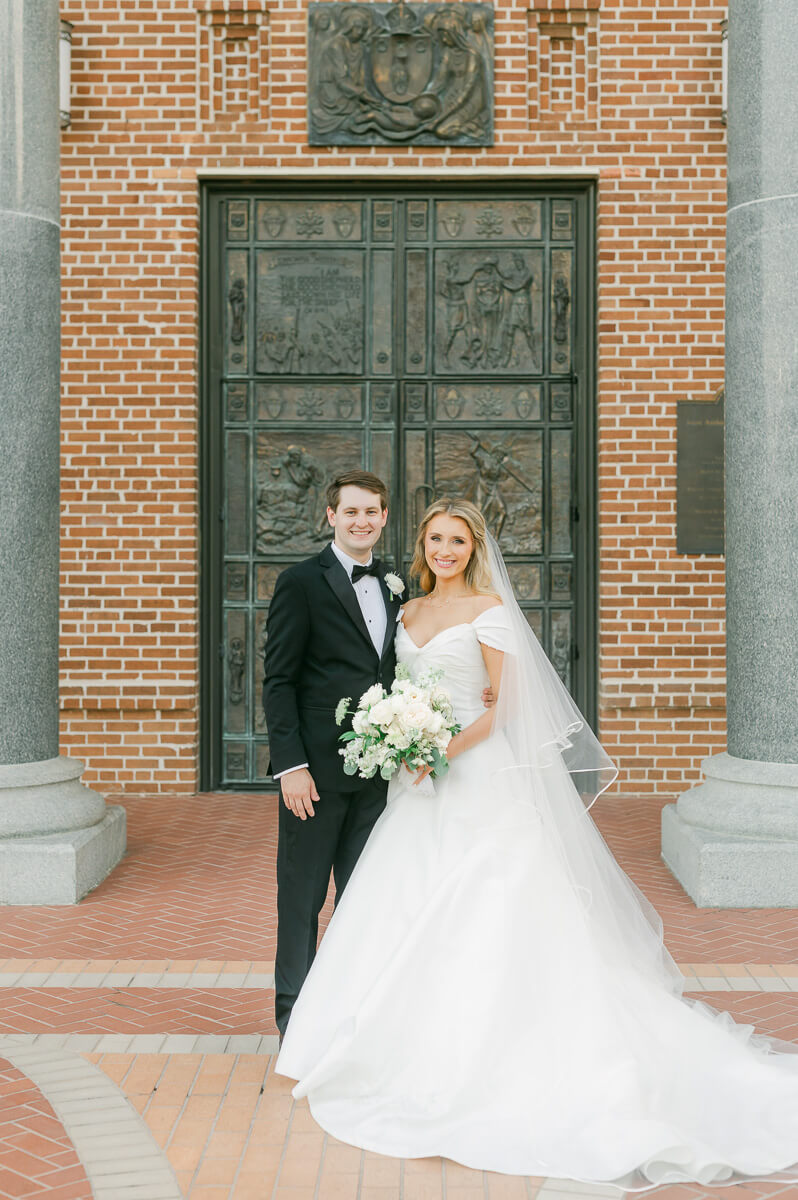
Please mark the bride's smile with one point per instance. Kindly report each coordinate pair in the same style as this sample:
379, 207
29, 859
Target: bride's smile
448, 546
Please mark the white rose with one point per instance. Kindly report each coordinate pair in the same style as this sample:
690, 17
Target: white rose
372, 696
361, 723
415, 715
382, 713
395, 584
434, 722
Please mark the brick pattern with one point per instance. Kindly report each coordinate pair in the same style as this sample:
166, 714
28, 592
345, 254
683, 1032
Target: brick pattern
164, 90
139, 1010
232, 1131
198, 883
773, 1014
239, 1012
36, 1155
194, 1055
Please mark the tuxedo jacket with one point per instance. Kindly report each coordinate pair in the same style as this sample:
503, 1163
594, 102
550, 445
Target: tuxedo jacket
318, 650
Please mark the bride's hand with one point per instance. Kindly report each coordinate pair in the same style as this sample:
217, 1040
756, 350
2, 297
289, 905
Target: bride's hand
422, 774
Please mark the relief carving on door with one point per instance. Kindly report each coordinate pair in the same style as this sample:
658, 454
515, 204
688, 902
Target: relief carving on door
309, 312
489, 311
427, 338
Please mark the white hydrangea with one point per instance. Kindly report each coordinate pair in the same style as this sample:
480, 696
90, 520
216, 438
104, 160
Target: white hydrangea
399, 737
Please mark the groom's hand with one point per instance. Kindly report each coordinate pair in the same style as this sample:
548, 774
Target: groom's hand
488, 698
299, 793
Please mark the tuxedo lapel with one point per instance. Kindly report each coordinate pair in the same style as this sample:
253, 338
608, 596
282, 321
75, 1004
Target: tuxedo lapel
338, 580
392, 606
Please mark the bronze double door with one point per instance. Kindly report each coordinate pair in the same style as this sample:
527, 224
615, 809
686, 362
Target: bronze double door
443, 339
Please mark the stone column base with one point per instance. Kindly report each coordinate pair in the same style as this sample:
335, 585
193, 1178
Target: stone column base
732, 842
60, 868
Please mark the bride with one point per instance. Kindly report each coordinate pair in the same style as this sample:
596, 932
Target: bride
492, 988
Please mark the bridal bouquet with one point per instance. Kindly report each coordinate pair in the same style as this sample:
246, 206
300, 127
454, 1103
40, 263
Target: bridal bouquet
412, 724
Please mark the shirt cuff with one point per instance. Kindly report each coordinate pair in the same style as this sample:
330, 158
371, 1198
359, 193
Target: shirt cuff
288, 770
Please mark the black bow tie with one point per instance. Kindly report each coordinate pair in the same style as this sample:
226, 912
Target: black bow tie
372, 569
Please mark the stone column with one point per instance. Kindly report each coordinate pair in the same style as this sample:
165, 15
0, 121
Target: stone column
733, 841
57, 838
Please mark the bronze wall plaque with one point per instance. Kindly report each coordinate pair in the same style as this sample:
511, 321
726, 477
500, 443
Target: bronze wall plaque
699, 477
401, 74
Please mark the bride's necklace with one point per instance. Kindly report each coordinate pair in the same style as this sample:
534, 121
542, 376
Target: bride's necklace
443, 603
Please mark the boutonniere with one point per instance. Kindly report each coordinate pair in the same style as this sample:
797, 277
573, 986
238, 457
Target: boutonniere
394, 584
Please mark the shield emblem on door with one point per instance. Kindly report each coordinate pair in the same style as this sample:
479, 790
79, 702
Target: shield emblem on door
401, 65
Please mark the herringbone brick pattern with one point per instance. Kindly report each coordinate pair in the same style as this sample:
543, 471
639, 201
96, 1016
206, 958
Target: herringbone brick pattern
198, 882
195, 900
756, 935
773, 1013
36, 1156
139, 1010
249, 1011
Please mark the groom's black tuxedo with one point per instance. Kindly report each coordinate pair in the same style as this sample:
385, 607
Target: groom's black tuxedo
318, 650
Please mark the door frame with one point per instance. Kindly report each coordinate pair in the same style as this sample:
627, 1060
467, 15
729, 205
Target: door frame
213, 193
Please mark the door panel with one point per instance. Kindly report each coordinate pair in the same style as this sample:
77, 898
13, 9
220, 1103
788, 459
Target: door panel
433, 338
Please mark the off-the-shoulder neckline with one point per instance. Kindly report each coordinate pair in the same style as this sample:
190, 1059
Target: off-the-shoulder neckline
459, 625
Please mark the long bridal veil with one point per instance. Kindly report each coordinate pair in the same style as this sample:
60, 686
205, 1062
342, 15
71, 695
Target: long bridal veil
559, 765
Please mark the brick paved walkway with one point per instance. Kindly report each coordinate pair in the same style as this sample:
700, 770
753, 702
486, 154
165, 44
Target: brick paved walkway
37, 1157
142, 1020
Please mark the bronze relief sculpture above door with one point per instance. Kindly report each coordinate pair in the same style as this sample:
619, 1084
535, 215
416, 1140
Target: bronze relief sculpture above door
442, 340
407, 74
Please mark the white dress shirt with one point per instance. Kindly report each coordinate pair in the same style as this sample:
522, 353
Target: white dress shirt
369, 597
372, 605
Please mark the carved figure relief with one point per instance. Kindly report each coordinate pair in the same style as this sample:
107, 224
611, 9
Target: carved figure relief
562, 300
560, 652
494, 466
237, 300
289, 502
502, 473
236, 662
400, 73
487, 313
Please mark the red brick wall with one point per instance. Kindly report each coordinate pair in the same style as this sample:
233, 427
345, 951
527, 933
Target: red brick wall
164, 90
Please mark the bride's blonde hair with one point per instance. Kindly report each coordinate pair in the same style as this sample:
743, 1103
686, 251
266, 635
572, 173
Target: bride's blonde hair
477, 573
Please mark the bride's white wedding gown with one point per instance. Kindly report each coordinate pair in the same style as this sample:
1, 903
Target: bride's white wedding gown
458, 1005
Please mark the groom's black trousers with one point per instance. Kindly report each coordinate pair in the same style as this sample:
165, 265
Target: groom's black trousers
307, 851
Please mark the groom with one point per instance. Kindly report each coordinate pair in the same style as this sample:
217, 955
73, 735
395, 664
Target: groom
330, 634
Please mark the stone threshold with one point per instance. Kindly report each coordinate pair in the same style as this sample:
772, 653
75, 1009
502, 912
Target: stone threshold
146, 1043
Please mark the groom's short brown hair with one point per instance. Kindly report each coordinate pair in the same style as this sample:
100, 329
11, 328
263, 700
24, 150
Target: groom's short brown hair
361, 479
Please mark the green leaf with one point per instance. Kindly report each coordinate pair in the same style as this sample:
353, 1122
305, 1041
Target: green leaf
350, 768
440, 764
